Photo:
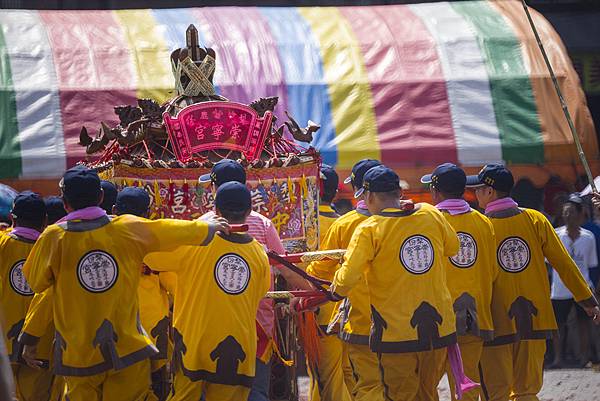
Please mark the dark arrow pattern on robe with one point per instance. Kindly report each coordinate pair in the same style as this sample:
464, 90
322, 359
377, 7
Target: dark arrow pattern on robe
523, 310
379, 324
17, 348
465, 308
179, 348
228, 354
426, 320
106, 339
60, 345
161, 333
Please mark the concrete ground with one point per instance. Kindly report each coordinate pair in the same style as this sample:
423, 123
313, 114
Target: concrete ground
559, 385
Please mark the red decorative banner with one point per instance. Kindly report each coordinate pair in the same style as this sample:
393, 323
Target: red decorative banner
289, 196
217, 125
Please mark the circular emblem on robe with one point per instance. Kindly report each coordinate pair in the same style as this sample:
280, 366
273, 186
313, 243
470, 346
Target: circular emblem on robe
416, 254
17, 279
467, 253
514, 254
97, 271
232, 273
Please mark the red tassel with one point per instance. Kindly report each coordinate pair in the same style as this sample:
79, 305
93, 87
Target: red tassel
308, 334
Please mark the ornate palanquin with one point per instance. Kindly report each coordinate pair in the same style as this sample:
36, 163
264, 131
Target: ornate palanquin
164, 148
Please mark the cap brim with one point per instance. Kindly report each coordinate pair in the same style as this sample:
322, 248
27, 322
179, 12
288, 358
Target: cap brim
359, 192
348, 180
426, 179
473, 181
204, 179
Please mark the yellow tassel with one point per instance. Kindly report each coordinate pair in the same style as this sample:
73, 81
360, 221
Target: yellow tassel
303, 186
278, 353
157, 199
290, 185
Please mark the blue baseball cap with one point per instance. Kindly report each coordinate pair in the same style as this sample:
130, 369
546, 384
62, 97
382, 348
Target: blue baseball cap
29, 206
379, 179
233, 195
447, 177
493, 175
576, 198
225, 170
132, 200
330, 179
359, 170
110, 195
81, 182
55, 209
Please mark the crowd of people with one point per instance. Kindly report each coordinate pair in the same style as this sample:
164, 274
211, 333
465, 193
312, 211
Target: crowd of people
100, 303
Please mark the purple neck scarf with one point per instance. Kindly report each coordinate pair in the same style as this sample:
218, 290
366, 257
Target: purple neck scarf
454, 206
500, 204
88, 213
361, 205
27, 233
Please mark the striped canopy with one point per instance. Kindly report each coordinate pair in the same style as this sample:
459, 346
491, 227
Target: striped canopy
412, 85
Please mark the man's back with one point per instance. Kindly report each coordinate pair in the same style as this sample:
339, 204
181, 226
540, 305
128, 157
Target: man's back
15, 293
219, 289
525, 239
403, 253
471, 271
94, 268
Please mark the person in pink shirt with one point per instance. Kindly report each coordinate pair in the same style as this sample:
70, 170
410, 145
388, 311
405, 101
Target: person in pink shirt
263, 230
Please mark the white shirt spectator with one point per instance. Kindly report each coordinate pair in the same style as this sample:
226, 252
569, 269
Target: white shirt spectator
584, 253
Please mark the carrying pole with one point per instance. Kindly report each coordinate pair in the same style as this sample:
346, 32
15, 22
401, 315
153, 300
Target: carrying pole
563, 104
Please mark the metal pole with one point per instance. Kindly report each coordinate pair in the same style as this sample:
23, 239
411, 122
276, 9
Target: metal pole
563, 104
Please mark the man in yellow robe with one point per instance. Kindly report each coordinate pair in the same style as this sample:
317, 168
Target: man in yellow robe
512, 363
399, 251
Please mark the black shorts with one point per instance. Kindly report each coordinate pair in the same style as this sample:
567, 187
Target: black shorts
562, 308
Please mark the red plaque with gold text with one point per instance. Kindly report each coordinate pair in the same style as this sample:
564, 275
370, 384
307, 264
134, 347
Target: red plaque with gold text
217, 125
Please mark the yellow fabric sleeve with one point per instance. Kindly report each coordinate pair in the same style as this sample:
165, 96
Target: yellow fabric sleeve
325, 269
167, 234
172, 261
40, 314
168, 281
43, 260
358, 260
169, 237
560, 260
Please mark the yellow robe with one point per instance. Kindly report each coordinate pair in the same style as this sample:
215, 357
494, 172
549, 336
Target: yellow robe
356, 363
402, 256
354, 314
154, 315
471, 272
16, 295
93, 267
218, 291
521, 305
